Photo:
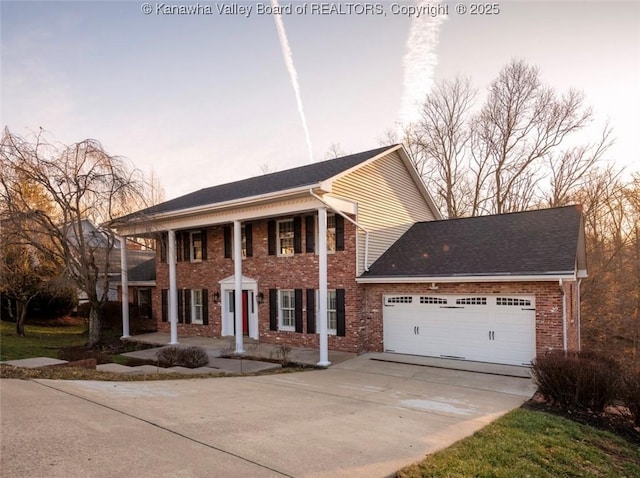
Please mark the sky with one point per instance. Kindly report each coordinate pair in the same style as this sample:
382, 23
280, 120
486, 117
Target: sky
216, 96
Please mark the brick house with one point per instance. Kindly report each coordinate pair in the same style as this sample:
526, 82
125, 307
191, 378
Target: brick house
351, 254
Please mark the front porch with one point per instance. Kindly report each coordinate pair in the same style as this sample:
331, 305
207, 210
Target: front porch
216, 346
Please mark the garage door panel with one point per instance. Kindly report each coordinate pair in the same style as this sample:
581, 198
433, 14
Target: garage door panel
498, 329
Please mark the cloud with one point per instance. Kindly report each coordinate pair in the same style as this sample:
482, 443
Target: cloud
293, 74
420, 61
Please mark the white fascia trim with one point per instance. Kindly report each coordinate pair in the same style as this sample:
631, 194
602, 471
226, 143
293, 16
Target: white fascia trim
216, 207
442, 280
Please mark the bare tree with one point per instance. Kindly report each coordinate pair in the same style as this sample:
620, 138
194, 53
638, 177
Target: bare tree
442, 136
25, 273
494, 160
571, 168
521, 123
334, 151
82, 183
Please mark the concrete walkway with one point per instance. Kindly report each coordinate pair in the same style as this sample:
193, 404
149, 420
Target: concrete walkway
215, 347
359, 418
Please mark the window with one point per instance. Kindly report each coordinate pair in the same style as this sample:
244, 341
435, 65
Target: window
196, 246
513, 301
197, 307
331, 233
287, 310
432, 300
407, 299
332, 312
243, 232
285, 237
472, 301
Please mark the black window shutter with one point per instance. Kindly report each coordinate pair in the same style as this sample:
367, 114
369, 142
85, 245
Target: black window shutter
186, 246
311, 311
297, 235
165, 305
310, 233
298, 311
248, 234
227, 241
339, 232
187, 305
203, 238
272, 239
205, 307
340, 313
273, 309
162, 243
181, 306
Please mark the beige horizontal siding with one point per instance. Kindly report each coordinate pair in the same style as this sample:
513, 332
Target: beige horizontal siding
389, 202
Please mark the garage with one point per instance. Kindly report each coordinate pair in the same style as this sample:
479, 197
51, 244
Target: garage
485, 328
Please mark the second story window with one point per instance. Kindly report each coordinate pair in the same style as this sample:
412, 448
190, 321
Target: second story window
285, 237
196, 246
331, 233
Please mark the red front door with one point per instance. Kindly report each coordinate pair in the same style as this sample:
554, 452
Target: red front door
245, 312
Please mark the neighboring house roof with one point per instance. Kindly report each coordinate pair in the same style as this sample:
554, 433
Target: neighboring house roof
307, 175
546, 242
144, 272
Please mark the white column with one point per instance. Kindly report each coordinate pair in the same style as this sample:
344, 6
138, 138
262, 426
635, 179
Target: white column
237, 272
322, 287
173, 289
124, 275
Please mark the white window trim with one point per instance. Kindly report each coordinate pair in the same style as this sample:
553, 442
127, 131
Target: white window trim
192, 251
195, 307
278, 248
330, 331
281, 326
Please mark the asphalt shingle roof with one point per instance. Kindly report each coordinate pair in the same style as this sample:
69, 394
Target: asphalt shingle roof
525, 243
269, 183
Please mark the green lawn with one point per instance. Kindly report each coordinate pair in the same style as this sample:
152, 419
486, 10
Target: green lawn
525, 443
41, 341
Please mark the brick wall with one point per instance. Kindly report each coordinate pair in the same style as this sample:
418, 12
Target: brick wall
270, 272
363, 303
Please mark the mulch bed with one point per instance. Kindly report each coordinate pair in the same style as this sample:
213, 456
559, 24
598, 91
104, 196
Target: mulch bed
616, 420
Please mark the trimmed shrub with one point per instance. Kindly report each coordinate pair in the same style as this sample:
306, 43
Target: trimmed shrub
577, 380
190, 357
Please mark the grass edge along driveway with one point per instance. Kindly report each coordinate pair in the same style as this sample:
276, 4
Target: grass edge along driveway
525, 443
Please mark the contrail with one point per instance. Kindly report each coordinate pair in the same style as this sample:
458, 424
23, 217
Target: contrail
419, 63
293, 74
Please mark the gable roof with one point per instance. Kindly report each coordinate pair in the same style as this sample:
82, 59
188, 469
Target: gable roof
546, 242
298, 177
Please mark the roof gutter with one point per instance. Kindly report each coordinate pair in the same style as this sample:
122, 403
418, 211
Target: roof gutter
355, 223
468, 278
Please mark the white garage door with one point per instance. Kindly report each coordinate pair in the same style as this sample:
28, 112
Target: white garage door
484, 328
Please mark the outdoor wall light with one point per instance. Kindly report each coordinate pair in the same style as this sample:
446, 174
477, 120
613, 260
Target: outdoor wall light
260, 298
216, 297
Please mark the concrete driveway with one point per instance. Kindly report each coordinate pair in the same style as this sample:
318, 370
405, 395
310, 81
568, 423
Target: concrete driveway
358, 418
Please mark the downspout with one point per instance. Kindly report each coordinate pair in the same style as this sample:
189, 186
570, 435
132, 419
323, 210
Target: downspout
579, 316
564, 317
366, 233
